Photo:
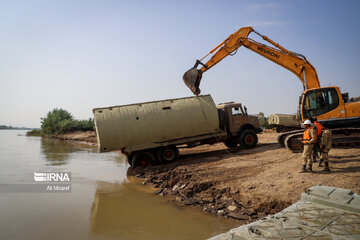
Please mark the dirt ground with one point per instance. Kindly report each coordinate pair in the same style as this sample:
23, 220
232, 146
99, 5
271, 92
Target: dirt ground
247, 184
244, 184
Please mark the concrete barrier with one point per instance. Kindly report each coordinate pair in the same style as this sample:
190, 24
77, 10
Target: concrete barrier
322, 213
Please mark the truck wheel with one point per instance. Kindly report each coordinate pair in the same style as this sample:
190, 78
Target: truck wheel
248, 138
143, 160
168, 154
232, 142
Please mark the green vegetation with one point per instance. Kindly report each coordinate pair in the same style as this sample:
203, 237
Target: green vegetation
59, 121
35, 133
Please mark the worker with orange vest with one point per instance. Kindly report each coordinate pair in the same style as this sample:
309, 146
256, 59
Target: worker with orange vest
318, 127
309, 139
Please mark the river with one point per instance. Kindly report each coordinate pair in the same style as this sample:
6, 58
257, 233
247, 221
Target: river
103, 203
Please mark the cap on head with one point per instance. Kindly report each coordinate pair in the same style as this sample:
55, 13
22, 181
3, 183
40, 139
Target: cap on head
307, 122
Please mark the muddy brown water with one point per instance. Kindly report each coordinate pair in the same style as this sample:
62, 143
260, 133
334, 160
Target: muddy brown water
104, 203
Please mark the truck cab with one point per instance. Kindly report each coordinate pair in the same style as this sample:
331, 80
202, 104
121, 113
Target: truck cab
240, 126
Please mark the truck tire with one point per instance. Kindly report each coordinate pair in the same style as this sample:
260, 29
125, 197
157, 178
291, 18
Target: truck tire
232, 142
248, 138
168, 154
143, 160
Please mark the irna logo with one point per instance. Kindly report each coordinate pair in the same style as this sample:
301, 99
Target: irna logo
52, 177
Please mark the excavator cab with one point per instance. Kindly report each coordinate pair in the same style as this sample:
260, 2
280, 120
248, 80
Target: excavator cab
317, 102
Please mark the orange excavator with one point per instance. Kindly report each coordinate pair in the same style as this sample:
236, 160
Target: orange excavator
327, 104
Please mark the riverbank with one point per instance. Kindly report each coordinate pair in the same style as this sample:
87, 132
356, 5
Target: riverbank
87, 138
247, 184
81, 137
103, 204
244, 184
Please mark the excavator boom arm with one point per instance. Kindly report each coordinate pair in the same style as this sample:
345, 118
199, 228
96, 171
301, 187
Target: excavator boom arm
228, 47
296, 63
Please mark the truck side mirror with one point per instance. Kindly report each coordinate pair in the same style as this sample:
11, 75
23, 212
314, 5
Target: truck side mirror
245, 108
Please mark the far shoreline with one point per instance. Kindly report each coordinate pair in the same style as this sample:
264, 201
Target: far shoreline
80, 137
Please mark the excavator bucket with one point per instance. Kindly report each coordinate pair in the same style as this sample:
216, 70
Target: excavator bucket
192, 79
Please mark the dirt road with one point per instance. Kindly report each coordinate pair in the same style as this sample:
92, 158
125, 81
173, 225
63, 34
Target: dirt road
247, 184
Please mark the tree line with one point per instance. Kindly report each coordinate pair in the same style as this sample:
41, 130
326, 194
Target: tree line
60, 121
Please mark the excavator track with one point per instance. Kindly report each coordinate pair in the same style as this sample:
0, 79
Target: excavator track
281, 138
341, 138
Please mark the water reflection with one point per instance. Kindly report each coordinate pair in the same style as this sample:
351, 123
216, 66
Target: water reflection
103, 204
57, 152
129, 211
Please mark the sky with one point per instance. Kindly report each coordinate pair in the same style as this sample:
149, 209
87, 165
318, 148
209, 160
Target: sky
79, 55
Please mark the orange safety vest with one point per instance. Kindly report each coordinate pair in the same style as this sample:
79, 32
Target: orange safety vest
306, 136
318, 127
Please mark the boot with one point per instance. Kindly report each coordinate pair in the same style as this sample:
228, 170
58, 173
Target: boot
310, 168
321, 161
326, 168
303, 169
314, 157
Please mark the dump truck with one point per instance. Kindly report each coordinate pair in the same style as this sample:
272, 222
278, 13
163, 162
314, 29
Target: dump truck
151, 133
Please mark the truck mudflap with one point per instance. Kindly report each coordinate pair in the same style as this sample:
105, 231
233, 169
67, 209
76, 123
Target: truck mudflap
322, 213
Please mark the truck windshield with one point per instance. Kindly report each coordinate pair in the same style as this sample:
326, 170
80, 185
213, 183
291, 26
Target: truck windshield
236, 111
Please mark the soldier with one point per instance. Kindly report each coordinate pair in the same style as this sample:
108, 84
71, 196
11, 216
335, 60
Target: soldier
309, 139
318, 128
325, 146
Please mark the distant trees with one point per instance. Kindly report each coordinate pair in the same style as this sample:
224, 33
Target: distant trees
60, 121
13, 128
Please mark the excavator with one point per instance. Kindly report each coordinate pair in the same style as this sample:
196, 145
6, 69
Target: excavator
327, 104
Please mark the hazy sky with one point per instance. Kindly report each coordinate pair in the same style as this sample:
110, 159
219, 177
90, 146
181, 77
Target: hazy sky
79, 55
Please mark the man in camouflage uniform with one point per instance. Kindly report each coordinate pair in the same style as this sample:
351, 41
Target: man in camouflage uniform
325, 146
309, 139
318, 129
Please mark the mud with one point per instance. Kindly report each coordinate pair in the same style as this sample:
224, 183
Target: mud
246, 184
